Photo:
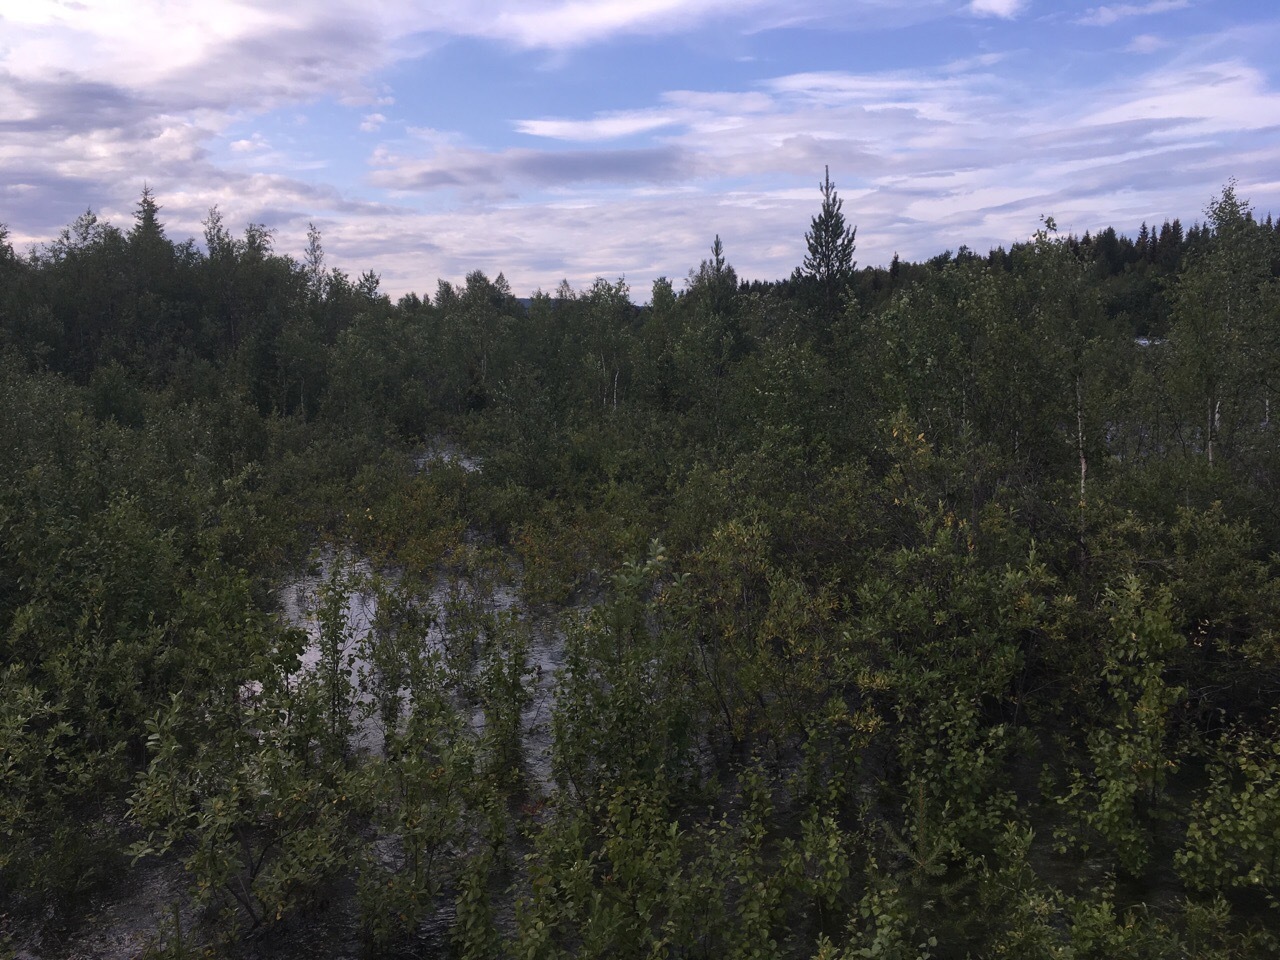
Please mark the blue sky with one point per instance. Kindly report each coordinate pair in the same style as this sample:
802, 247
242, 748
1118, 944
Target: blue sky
570, 139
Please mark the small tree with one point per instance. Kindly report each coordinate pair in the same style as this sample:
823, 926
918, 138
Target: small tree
830, 260
715, 281
313, 263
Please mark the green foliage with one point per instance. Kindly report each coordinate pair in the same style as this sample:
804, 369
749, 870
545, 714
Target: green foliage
1098, 928
623, 712
1233, 837
474, 932
46, 861
1131, 756
882, 925
829, 262
799, 588
233, 785
1223, 336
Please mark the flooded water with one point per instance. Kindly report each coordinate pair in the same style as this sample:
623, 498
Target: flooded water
442, 451
457, 623
343, 583
347, 609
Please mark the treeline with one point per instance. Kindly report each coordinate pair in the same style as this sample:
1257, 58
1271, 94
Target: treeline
938, 619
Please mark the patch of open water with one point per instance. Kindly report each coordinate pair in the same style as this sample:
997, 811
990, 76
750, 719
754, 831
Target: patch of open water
449, 600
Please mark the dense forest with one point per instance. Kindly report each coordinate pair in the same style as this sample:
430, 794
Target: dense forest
928, 611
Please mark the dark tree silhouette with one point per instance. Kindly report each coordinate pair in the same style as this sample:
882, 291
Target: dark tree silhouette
830, 262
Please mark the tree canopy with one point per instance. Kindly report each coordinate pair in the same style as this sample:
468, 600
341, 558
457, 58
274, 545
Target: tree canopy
940, 620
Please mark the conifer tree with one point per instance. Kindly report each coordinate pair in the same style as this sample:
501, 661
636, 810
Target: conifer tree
147, 227
152, 253
830, 262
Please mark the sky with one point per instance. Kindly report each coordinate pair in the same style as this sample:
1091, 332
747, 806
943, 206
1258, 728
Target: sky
575, 139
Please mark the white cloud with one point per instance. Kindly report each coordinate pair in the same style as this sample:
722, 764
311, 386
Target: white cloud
968, 64
602, 127
1008, 9
972, 152
686, 108
1146, 43
134, 41
1214, 98
578, 21
1106, 15
239, 49
924, 161
250, 145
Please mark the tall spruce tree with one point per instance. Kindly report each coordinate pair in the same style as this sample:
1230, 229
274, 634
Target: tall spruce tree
830, 262
147, 227
150, 250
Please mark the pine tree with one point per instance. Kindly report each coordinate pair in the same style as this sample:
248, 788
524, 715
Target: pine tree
830, 262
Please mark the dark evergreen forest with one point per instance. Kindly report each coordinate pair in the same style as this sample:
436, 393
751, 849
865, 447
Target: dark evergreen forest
929, 611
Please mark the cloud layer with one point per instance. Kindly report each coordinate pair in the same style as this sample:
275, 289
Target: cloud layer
308, 112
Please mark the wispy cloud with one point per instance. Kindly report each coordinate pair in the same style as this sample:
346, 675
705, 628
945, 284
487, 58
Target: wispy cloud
1210, 99
577, 22
916, 155
509, 170
1146, 43
1104, 16
1007, 9
201, 101
253, 144
602, 127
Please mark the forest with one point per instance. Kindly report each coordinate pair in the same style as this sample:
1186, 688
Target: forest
929, 611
